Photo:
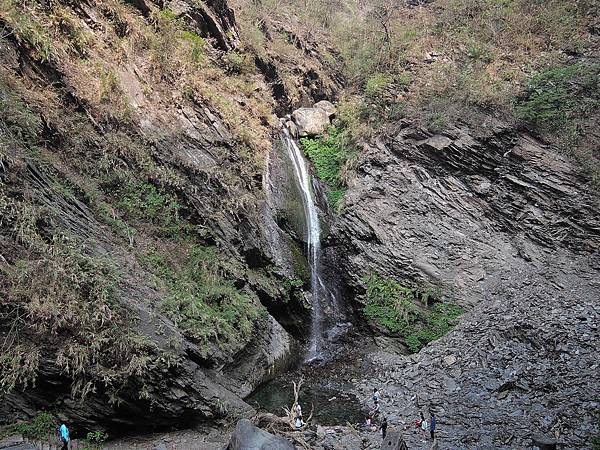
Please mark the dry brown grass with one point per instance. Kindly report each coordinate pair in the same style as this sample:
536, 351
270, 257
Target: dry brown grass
460, 52
62, 300
169, 62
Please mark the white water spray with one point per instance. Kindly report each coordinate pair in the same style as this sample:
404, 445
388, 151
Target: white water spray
313, 240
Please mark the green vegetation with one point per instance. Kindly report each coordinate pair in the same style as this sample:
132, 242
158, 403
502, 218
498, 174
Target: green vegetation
68, 300
378, 82
562, 103
144, 201
18, 124
168, 15
94, 440
203, 302
481, 53
239, 62
42, 426
329, 154
197, 44
137, 200
28, 27
557, 95
397, 309
476, 53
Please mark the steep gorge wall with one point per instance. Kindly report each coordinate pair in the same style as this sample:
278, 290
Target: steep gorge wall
136, 258
450, 209
508, 228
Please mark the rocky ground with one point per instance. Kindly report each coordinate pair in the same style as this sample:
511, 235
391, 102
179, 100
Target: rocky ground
506, 227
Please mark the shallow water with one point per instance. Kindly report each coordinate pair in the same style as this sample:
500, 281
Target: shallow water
331, 406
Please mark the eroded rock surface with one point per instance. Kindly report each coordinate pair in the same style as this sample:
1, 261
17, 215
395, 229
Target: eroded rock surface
172, 377
507, 228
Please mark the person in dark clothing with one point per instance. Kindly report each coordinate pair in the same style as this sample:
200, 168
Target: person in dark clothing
432, 424
384, 426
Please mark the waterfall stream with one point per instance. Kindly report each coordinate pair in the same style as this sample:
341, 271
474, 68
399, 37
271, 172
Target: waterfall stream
313, 239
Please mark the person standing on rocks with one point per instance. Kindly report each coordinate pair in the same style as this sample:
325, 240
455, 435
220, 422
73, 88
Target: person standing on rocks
432, 424
299, 410
64, 436
376, 396
384, 426
424, 426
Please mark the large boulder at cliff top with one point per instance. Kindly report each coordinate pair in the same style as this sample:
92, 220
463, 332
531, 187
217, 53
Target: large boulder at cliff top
310, 121
327, 107
248, 437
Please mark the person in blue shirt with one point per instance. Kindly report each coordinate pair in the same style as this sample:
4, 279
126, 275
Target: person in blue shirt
64, 436
432, 424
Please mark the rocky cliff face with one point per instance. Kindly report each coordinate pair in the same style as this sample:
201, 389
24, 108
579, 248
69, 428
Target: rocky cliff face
506, 227
138, 270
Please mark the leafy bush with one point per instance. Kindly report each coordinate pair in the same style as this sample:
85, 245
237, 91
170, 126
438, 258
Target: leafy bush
437, 321
396, 308
146, 201
42, 425
94, 440
329, 155
143, 202
203, 301
197, 43
555, 95
390, 304
378, 82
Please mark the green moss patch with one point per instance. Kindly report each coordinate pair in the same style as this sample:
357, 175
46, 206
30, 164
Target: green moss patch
329, 155
397, 309
203, 301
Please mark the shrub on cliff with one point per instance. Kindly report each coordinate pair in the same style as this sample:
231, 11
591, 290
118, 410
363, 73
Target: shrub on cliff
329, 154
405, 312
557, 95
202, 300
562, 103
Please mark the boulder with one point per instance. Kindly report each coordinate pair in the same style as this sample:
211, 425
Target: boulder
291, 126
310, 121
393, 441
248, 437
327, 107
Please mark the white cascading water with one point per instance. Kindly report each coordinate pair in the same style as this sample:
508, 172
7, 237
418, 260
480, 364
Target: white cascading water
313, 240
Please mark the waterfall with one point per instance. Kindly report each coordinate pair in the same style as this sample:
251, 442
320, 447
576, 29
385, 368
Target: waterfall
313, 239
